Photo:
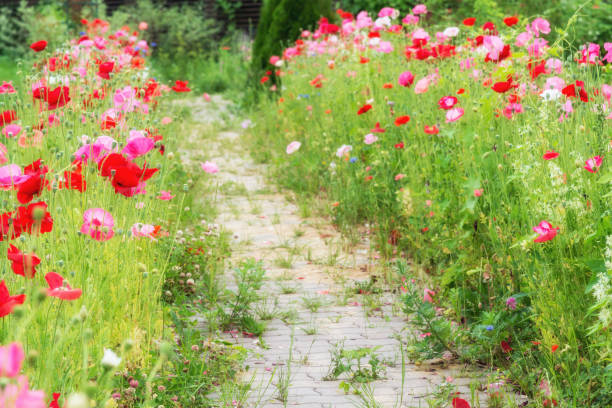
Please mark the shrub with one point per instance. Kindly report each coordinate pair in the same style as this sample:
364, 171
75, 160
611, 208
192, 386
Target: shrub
282, 21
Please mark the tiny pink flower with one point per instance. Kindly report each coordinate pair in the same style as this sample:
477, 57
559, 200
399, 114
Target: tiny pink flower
165, 195
166, 120
427, 295
399, 176
478, 192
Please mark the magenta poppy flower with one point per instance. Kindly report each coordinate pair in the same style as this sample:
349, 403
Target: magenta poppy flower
98, 224
593, 164
447, 102
406, 78
545, 232
138, 146
550, 154
59, 288
11, 130
11, 358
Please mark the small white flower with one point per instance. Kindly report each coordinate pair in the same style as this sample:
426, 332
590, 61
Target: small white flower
110, 359
77, 400
451, 31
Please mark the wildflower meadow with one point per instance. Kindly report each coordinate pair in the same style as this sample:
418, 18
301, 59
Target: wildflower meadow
400, 205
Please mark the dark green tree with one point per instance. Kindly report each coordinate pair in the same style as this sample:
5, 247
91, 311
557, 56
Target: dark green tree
281, 23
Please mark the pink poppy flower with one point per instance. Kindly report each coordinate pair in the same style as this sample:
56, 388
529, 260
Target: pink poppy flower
209, 167
478, 192
370, 138
11, 175
399, 176
454, 114
410, 19
3, 154
11, 130
293, 147
143, 230
427, 295
550, 154
11, 358
59, 287
165, 195
166, 120
406, 78
593, 164
138, 146
539, 25
7, 88
206, 97
545, 232
98, 224
19, 395
419, 9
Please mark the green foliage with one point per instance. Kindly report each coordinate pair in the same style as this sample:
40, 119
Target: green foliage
280, 23
360, 365
26, 24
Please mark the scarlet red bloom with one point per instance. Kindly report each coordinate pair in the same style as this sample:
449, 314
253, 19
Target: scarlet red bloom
460, 403
7, 117
22, 264
59, 288
505, 346
33, 219
402, 120
550, 154
377, 128
399, 145
470, 21
181, 86
264, 79
510, 21
105, 69
38, 46
364, 109
504, 86
554, 348
56, 98
35, 184
124, 174
490, 27
432, 130
8, 302
74, 179
363, 60
388, 85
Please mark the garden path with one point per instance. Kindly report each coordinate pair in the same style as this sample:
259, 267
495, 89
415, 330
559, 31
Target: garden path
310, 271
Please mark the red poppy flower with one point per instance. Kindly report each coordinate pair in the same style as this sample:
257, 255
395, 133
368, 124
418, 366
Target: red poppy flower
510, 21
8, 229
554, 348
503, 86
38, 46
550, 154
505, 53
59, 288
264, 79
181, 86
35, 184
505, 346
460, 403
489, 26
7, 117
461, 91
8, 302
74, 180
105, 68
432, 130
399, 145
388, 85
55, 402
22, 264
377, 128
535, 70
123, 173
56, 98
363, 60
33, 219
470, 21
550, 402
402, 120
364, 109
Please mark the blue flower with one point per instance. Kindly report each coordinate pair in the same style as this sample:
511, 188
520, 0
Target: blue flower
303, 96
82, 33
353, 159
489, 327
153, 44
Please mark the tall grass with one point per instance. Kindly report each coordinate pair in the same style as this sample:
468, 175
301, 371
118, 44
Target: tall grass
462, 203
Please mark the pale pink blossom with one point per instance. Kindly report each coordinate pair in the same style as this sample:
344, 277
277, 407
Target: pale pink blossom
209, 167
593, 164
539, 25
410, 19
427, 295
98, 224
165, 195
343, 150
370, 138
454, 114
166, 120
11, 130
293, 147
419, 9
143, 230
11, 358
